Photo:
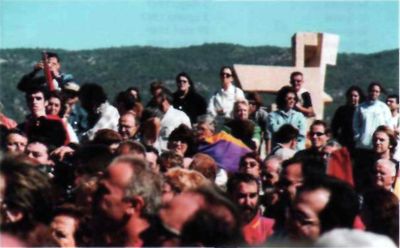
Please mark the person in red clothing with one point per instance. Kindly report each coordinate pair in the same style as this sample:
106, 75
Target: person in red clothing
39, 126
244, 191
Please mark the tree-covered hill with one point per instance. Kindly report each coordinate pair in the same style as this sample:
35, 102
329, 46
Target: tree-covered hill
119, 68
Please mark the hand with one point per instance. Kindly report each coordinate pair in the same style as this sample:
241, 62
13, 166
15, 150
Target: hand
55, 72
61, 152
38, 66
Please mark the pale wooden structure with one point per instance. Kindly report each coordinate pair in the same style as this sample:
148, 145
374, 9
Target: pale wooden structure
312, 52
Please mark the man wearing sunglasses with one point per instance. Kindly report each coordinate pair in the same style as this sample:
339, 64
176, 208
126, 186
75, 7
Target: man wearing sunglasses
319, 136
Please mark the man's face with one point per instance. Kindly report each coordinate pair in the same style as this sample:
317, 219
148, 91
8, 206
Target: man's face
127, 126
250, 166
271, 172
381, 143
297, 82
392, 104
246, 196
111, 192
54, 106
383, 175
292, 178
63, 228
38, 152
151, 158
16, 143
54, 65
36, 102
318, 136
242, 112
304, 219
374, 92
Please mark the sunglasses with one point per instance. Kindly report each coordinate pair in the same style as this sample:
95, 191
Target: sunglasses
226, 75
317, 133
249, 164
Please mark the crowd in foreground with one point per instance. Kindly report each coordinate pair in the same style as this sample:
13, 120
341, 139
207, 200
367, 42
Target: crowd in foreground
82, 170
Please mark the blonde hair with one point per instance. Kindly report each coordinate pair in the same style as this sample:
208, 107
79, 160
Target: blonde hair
182, 180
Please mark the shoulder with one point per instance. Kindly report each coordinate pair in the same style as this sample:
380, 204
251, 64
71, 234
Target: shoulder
267, 222
298, 115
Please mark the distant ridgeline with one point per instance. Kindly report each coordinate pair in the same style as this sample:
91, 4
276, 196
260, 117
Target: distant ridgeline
118, 68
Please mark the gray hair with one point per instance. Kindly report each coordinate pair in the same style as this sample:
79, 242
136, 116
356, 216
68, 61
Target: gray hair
274, 157
144, 183
389, 163
208, 120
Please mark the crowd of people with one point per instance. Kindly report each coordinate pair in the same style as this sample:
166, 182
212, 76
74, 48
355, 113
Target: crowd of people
181, 170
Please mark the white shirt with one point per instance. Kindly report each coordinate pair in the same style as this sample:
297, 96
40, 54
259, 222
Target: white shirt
109, 117
368, 116
171, 120
225, 99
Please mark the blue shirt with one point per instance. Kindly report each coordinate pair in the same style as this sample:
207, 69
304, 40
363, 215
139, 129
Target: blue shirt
278, 118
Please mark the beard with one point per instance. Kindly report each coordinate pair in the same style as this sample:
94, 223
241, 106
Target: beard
248, 213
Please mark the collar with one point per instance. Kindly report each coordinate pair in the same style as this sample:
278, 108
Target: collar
102, 107
287, 113
230, 89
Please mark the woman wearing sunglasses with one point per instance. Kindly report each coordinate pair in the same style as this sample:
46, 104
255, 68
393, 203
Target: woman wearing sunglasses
187, 99
221, 103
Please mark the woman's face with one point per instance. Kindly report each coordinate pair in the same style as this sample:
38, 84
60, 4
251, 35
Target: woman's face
179, 147
54, 106
381, 143
354, 98
226, 77
250, 166
183, 84
203, 131
290, 100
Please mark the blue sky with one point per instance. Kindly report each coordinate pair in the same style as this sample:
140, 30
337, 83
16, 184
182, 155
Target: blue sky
363, 26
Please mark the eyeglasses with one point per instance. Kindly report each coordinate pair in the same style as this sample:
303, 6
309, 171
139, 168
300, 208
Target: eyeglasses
250, 164
317, 133
226, 75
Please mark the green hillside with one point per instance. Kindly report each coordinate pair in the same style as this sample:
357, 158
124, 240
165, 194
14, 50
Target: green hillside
119, 68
